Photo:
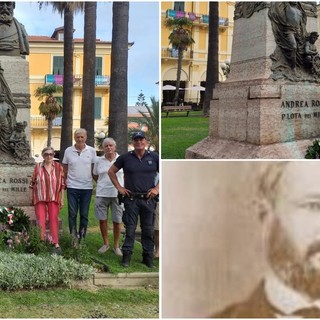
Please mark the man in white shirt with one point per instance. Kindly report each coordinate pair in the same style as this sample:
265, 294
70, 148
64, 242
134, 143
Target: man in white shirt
78, 163
289, 206
107, 196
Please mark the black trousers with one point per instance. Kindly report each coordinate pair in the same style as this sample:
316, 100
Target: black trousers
133, 208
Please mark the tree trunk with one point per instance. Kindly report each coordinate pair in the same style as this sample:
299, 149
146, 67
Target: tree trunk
49, 132
118, 114
89, 68
67, 116
179, 68
213, 56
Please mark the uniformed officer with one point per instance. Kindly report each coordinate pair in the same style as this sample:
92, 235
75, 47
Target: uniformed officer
140, 168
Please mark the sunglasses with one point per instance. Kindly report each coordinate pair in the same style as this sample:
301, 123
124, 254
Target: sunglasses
48, 154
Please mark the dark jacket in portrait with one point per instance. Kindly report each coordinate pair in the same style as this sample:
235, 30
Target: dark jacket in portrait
256, 306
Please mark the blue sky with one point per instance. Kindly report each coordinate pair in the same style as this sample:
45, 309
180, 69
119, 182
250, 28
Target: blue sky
143, 61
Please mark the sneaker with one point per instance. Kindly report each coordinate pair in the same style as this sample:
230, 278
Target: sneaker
117, 252
104, 248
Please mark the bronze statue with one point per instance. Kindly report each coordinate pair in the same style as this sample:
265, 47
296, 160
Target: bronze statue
310, 48
247, 9
13, 36
289, 21
7, 123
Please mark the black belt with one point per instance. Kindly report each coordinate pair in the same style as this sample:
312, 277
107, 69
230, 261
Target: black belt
137, 195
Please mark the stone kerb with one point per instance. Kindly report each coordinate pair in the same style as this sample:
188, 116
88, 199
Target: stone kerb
120, 280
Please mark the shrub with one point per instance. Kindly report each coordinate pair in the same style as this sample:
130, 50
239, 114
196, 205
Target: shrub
15, 219
27, 271
313, 151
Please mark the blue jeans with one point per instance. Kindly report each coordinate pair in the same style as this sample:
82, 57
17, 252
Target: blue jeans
78, 199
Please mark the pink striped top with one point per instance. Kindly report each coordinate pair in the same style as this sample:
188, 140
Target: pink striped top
47, 186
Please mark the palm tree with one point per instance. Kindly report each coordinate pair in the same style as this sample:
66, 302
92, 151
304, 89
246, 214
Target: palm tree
51, 107
118, 113
213, 56
149, 120
67, 9
180, 38
89, 66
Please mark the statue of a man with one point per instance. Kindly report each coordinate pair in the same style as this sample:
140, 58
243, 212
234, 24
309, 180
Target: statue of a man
7, 123
13, 36
289, 21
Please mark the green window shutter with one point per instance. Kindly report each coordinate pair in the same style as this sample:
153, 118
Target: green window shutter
57, 65
98, 66
178, 6
97, 108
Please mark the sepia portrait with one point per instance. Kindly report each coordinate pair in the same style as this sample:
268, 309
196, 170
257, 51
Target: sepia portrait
241, 239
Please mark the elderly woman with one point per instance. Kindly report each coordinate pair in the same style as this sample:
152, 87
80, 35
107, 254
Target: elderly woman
106, 196
48, 190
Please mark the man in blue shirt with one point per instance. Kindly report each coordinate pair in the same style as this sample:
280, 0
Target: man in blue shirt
140, 168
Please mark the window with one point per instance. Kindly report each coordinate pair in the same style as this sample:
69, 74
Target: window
97, 108
98, 66
57, 65
178, 6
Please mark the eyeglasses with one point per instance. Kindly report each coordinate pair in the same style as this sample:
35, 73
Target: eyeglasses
48, 154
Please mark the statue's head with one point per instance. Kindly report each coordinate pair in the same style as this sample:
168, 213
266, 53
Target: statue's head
313, 36
6, 11
2, 96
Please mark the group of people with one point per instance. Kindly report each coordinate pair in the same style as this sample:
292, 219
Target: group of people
128, 184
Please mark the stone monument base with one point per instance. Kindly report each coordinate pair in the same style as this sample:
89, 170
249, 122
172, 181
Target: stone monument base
213, 148
14, 183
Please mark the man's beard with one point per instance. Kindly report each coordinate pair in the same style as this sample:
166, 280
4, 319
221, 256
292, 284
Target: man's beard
295, 270
6, 17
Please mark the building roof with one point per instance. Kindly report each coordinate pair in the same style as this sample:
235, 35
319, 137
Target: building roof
49, 39
133, 111
53, 38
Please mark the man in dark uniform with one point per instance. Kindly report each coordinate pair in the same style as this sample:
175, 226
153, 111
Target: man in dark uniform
140, 168
289, 205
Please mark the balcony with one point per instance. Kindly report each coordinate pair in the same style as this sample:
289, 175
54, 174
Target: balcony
170, 53
196, 18
41, 122
77, 80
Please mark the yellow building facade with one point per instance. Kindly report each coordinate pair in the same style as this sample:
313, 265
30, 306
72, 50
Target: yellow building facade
46, 66
194, 65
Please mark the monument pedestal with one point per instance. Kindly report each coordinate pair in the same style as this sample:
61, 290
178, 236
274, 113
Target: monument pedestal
261, 119
14, 184
251, 114
213, 148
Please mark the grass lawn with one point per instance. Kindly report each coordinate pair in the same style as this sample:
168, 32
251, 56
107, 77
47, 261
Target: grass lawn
86, 303
70, 303
179, 132
94, 241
